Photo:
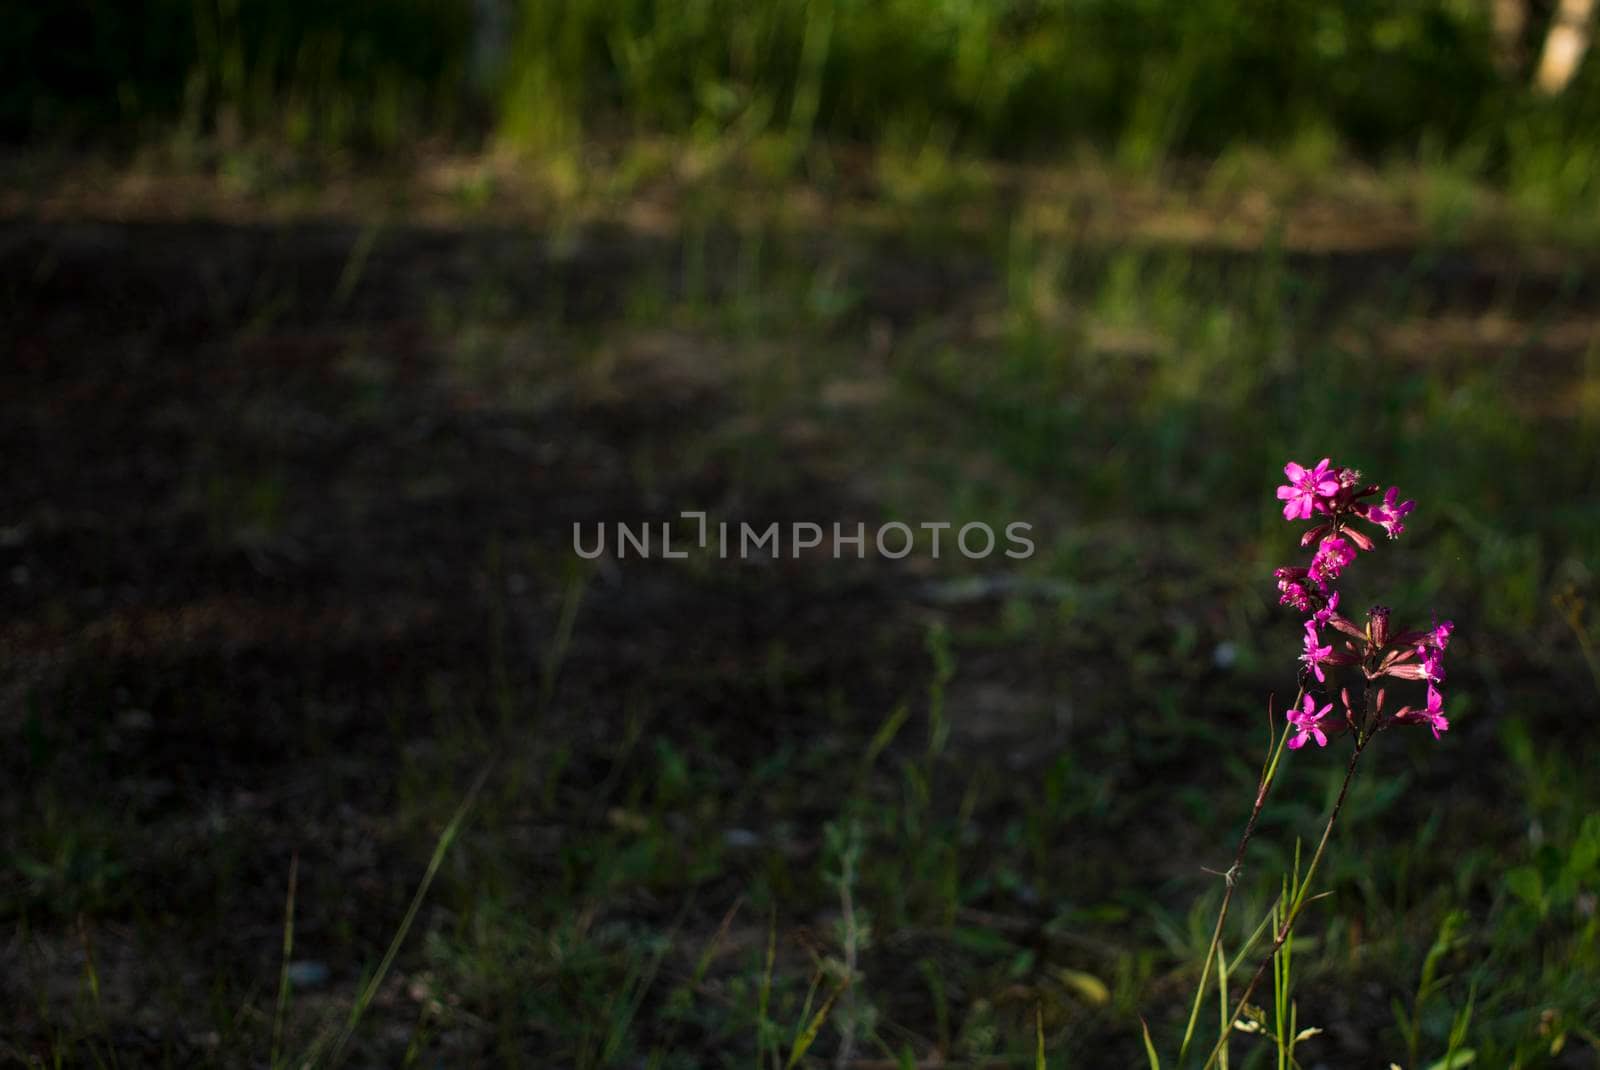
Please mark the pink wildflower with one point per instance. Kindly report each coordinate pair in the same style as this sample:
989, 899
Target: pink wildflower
1389, 513
1307, 723
1431, 715
1332, 555
1432, 664
1440, 636
1434, 714
1315, 655
1327, 612
1305, 486
1293, 589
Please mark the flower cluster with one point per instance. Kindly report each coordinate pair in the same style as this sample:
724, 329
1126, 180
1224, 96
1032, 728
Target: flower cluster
1336, 499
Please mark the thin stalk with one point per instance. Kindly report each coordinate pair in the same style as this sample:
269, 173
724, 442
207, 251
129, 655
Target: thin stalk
1280, 994
1231, 877
364, 999
288, 953
1283, 1008
1294, 908
1222, 1003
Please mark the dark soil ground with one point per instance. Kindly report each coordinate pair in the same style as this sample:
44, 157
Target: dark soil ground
286, 531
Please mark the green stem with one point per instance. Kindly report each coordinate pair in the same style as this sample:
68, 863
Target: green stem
1299, 899
1231, 877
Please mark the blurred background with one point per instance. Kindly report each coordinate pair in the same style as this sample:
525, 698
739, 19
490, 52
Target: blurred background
324, 323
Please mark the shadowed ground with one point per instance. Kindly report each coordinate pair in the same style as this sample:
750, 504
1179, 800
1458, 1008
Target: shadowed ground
287, 518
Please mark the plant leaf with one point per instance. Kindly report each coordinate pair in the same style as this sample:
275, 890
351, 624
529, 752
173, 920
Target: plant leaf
1462, 1058
1087, 985
804, 1041
1149, 1046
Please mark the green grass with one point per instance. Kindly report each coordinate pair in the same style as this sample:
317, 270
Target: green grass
742, 815
260, 90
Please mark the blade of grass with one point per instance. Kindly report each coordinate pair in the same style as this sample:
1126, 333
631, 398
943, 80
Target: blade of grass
283, 974
571, 597
1255, 937
440, 849
764, 998
92, 976
355, 264
804, 1041
1222, 1002
1149, 1046
638, 986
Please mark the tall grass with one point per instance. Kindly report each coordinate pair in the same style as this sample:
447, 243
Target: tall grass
1148, 81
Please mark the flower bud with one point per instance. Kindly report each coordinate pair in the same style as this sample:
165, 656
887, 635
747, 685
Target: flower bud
1378, 627
1359, 539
